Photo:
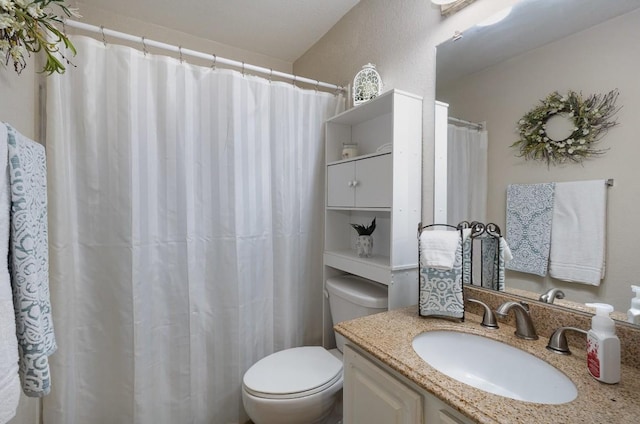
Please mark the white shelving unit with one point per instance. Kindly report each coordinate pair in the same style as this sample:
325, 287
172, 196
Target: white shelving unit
380, 183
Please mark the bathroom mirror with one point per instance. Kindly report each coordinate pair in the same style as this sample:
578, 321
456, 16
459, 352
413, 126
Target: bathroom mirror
493, 75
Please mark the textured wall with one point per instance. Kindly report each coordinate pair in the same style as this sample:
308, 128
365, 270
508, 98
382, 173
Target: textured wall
18, 95
399, 37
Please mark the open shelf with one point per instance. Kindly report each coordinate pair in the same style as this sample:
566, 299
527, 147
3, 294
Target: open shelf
375, 268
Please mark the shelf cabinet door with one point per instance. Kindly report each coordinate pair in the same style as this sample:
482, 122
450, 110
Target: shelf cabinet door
363, 183
373, 396
340, 190
373, 182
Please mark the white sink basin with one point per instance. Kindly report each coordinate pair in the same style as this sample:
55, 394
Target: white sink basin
494, 367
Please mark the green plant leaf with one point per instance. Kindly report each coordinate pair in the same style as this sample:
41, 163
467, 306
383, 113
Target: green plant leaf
365, 231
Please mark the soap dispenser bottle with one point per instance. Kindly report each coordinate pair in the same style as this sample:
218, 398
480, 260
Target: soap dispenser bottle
603, 346
634, 312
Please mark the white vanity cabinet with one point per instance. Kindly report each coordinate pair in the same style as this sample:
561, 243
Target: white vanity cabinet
383, 182
374, 394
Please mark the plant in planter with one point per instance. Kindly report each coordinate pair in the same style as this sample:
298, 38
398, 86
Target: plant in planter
364, 244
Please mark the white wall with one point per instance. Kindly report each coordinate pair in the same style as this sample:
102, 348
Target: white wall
594, 61
18, 97
399, 37
95, 16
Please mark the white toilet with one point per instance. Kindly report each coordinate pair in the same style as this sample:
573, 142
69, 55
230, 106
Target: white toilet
302, 385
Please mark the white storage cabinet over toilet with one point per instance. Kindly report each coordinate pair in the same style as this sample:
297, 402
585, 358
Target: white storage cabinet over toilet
384, 182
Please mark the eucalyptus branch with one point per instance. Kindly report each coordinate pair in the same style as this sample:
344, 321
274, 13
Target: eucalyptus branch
29, 26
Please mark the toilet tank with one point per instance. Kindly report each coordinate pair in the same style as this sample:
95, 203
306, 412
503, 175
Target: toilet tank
353, 297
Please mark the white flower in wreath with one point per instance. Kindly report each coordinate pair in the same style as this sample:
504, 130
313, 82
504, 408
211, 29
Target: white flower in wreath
6, 21
35, 10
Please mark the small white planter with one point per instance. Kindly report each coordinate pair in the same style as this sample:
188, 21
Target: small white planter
364, 244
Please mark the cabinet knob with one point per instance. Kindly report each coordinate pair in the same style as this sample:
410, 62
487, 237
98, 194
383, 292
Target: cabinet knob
354, 183
350, 183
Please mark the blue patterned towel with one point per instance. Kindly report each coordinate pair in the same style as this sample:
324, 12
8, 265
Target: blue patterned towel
441, 290
529, 214
495, 253
29, 262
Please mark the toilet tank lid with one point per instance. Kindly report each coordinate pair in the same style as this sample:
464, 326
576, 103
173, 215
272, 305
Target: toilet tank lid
359, 291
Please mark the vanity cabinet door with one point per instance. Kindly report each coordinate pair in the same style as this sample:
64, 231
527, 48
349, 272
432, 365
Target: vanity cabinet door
373, 396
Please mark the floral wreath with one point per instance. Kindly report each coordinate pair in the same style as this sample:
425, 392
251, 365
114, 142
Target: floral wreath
591, 118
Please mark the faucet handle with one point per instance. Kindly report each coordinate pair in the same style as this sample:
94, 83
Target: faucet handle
524, 324
558, 340
488, 318
550, 295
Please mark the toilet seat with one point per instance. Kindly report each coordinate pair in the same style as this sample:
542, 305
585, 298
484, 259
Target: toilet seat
293, 373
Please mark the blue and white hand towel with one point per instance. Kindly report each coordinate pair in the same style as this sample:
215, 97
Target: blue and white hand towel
441, 289
29, 261
529, 215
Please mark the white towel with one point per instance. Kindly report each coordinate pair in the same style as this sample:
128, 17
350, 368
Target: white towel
9, 380
438, 249
578, 232
505, 251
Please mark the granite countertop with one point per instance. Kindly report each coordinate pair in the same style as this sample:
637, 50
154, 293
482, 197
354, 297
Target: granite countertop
387, 336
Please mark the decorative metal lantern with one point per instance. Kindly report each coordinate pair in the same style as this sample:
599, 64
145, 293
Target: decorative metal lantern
367, 84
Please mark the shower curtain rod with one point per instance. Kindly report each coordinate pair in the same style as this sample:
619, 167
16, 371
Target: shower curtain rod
182, 51
462, 121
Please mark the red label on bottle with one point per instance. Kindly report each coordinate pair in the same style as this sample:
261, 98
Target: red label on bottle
593, 362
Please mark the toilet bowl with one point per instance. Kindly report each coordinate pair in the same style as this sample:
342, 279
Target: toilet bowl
302, 385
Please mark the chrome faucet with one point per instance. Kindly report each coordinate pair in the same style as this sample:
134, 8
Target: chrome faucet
550, 295
489, 318
558, 341
524, 324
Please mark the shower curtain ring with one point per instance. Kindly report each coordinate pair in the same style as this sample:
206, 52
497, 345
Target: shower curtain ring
317, 84
215, 59
180, 51
104, 40
144, 46
243, 74
294, 80
270, 75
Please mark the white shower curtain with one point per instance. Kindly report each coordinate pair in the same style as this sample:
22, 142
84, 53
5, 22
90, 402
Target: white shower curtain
466, 174
185, 213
